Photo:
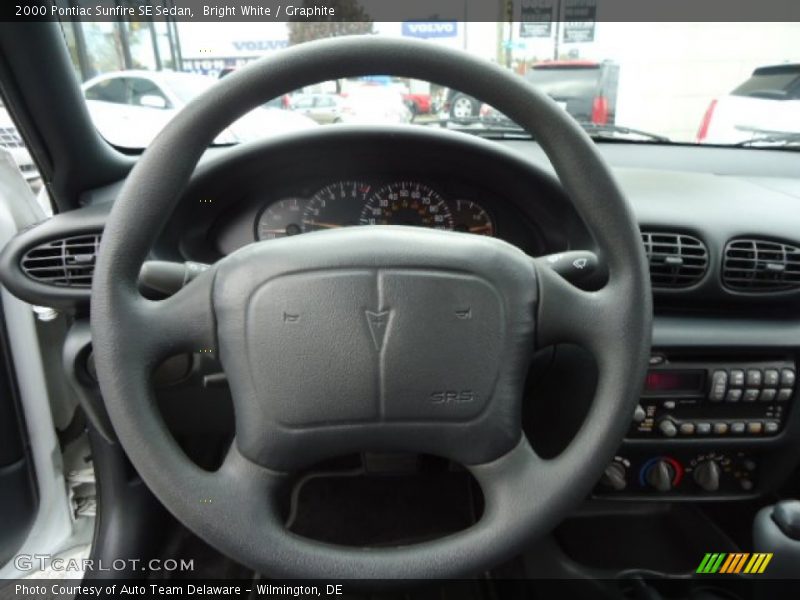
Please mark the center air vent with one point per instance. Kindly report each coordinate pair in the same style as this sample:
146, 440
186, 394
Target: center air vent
760, 266
66, 262
676, 260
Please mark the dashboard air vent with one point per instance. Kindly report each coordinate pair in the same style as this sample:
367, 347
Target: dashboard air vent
65, 262
761, 266
676, 260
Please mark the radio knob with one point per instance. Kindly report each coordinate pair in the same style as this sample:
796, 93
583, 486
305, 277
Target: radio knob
667, 427
706, 475
660, 476
614, 477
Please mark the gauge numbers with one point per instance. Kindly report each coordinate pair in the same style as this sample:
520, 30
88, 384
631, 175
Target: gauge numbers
280, 219
355, 202
471, 217
336, 205
407, 203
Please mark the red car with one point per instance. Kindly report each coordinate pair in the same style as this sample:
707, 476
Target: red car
418, 104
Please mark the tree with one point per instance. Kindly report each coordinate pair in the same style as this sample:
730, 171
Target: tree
349, 18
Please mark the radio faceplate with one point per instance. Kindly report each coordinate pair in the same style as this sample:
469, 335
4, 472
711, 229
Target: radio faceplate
707, 399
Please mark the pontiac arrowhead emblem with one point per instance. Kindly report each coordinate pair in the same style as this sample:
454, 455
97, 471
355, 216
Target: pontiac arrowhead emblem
378, 324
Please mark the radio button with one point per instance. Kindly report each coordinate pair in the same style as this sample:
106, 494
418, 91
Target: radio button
639, 414
750, 395
755, 427
787, 377
767, 395
719, 384
668, 428
687, 428
737, 428
771, 427
737, 378
771, 378
703, 428
669, 404
733, 396
784, 394
720, 428
754, 378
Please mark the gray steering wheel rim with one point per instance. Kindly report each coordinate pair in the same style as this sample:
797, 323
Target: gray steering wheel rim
525, 496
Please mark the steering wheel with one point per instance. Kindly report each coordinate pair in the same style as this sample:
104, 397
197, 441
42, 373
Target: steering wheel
370, 338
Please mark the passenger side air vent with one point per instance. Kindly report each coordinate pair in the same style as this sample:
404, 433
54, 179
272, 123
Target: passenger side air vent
760, 266
676, 260
66, 262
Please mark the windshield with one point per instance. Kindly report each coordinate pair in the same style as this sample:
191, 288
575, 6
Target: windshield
734, 84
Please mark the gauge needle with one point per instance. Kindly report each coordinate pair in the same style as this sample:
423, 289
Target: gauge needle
480, 228
323, 225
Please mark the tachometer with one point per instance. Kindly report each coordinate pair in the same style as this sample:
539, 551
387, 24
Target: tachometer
471, 217
280, 219
336, 205
407, 203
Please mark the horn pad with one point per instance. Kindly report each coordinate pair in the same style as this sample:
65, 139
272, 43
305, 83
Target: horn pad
408, 354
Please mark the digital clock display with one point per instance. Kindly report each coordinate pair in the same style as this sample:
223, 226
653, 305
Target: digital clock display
674, 383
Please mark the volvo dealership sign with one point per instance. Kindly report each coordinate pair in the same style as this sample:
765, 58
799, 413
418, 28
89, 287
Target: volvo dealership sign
430, 29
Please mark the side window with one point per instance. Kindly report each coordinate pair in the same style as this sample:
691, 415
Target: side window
304, 102
144, 87
109, 90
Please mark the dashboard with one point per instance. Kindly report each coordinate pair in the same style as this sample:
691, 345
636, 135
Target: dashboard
723, 345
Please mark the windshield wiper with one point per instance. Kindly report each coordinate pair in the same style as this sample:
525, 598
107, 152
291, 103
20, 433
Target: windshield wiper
507, 128
479, 126
779, 139
612, 131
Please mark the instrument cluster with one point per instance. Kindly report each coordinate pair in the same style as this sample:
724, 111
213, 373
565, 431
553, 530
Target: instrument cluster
354, 202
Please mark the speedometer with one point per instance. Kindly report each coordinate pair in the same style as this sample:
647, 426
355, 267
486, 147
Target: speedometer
407, 203
335, 205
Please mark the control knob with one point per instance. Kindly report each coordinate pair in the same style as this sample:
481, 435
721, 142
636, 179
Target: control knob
706, 475
660, 475
614, 476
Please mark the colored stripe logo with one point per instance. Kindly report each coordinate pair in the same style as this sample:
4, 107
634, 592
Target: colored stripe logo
734, 563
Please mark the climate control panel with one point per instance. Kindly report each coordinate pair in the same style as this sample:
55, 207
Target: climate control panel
680, 473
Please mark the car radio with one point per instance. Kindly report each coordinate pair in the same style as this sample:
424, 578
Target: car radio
691, 398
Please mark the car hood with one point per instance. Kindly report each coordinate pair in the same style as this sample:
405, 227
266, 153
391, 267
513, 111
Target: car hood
263, 122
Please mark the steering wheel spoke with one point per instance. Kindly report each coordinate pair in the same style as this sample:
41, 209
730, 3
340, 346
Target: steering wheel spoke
183, 322
568, 314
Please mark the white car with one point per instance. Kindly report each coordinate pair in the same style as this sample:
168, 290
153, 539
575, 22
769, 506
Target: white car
129, 108
374, 105
765, 106
11, 140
